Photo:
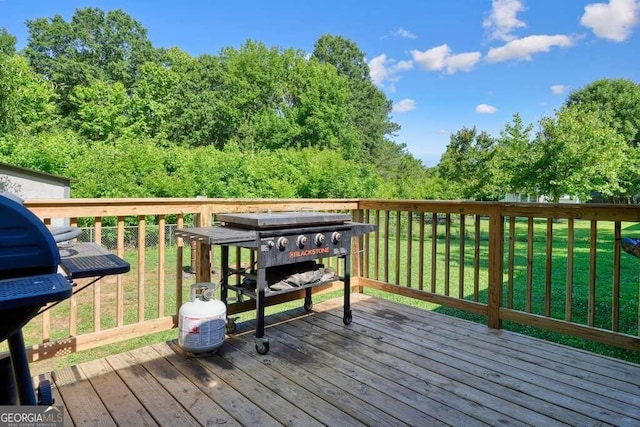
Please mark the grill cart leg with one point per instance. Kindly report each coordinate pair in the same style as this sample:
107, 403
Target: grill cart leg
224, 289
26, 394
262, 343
308, 303
347, 292
224, 274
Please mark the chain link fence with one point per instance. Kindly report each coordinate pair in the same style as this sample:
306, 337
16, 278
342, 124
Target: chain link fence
110, 236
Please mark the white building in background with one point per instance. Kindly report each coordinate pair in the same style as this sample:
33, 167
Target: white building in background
32, 184
531, 198
521, 198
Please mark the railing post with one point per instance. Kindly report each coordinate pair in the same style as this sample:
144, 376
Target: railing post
496, 252
203, 254
179, 267
356, 261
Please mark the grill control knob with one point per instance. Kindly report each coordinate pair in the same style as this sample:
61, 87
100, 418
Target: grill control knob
336, 237
301, 241
319, 239
282, 243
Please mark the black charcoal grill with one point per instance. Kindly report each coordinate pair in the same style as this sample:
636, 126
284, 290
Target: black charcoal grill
286, 244
30, 257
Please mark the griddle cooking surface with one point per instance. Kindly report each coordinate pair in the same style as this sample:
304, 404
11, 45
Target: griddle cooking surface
259, 221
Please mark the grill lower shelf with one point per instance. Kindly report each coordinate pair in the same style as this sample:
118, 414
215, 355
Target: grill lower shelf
251, 292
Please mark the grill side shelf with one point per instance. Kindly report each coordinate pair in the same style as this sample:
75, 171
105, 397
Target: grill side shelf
33, 291
80, 260
218, 235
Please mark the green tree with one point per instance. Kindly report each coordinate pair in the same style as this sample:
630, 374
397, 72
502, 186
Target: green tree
7, 42
369, 108
317, 97
198, 107
100, 110
94, 45
53, 152
257, 98
26, 100
153, 102
334, 176
257, 86
132, 167
467, 165
619, 99
577, 152
512, 159
403, 176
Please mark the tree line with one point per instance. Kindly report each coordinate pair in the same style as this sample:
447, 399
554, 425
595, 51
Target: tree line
92, 99
588, 148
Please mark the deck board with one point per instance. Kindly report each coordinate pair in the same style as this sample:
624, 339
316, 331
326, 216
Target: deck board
394, 365
288, 389
185, 392
160, 404
536, 380
239, 407
80, 399
315, 377
114, 393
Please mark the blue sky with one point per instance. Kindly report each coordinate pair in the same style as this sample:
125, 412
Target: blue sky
444, 64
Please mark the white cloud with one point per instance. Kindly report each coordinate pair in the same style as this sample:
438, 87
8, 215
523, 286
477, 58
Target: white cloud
462, 62
401, 66
502, 20
404, 106
381, 68
440, 57
401, 32
558, 89
486, 109
433, 59
614, 20
377, 69
522, 49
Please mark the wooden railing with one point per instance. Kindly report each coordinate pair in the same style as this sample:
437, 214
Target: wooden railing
145, 300
556, 267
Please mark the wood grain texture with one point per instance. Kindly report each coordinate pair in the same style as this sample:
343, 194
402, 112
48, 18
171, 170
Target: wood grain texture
394, 365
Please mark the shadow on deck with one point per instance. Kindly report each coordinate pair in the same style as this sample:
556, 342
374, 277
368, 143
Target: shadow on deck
393, 365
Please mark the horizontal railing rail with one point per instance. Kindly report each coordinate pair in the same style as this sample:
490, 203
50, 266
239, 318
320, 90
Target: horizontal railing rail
551, 266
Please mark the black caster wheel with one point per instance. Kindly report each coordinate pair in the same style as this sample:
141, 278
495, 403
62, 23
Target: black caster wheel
262, 347
45, 395
231, 327
347, 319
308, 306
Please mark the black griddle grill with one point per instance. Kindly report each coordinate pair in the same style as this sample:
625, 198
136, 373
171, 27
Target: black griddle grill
29, 280
280, 239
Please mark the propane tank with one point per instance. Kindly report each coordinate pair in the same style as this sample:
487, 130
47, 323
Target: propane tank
202, 321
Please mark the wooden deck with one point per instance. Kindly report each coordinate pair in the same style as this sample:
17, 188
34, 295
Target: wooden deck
394, 365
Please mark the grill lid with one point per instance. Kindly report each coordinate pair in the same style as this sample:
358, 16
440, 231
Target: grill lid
262, 220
